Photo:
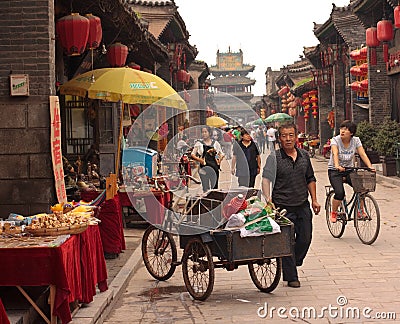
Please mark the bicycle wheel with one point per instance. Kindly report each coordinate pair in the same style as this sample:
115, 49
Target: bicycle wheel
266, 274
336, 229
159, 253
198, 269
367, 218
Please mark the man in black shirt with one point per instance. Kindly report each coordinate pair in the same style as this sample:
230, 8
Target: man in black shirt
292, 177
246, 161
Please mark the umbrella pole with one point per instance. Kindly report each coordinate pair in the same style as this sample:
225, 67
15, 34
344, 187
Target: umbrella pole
119, 140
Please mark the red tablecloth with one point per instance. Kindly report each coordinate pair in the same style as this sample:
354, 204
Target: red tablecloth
3, 315
156, 202
111, 228
75, 268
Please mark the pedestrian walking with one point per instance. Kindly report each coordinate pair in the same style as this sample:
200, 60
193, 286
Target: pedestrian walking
246, 161
290, 174
271, 136
260, 135
209, 154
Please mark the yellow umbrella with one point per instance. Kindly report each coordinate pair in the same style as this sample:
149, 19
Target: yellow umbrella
124, 84
216, 121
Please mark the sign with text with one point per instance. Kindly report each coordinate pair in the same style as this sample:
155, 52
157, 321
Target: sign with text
19, 85
229, 61
393, 65
56, 154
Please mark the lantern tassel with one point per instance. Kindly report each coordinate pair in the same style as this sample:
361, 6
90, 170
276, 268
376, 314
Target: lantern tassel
385, 52
372, 56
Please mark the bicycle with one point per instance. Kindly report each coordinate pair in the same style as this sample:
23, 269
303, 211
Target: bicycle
362, 206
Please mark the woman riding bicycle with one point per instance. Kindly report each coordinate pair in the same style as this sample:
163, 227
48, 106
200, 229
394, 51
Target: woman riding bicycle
343, 149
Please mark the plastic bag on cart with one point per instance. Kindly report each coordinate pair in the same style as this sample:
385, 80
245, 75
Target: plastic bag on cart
265, 226
235, 220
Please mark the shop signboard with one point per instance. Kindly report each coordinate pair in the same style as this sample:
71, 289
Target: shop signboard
56, 154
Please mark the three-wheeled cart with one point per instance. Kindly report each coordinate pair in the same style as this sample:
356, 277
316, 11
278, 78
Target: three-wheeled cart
206, 248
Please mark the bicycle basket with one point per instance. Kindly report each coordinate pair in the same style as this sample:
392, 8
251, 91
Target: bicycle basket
363, 181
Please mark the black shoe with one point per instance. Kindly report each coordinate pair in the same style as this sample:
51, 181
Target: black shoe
294, 284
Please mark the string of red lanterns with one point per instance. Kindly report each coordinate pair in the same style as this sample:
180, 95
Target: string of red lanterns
73, 33
78, 34
117, 54
385, 35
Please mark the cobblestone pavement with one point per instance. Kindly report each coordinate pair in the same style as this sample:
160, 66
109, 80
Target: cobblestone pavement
336, 272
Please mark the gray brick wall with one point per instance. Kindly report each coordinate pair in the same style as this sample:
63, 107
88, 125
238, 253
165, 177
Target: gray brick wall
380, 100
26, 47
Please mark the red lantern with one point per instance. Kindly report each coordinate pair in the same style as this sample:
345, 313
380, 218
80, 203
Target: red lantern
95, 32
187, 77
355, 55
313, 93
181, 75
372, 42
364, 68
355, 86
397, 17
73, 33
354, 70
117, 54
315, 113
372, 37
385, 34
364, 85
363, 53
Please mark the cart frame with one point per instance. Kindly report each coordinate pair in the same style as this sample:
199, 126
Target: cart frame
208, 248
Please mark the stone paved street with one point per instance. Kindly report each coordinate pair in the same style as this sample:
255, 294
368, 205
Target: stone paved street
363, 276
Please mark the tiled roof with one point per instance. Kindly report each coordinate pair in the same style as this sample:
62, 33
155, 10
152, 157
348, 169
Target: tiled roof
343, 22
243, 68
349, 26
151, 3
221, 81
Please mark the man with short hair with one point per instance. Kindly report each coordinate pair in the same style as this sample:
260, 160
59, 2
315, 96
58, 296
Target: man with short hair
291, 175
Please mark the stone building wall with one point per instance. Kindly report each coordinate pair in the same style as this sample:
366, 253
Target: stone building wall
380, 101
26, 47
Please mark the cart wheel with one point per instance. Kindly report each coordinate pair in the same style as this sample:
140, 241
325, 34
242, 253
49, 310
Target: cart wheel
159, 253
198, 269
266, 274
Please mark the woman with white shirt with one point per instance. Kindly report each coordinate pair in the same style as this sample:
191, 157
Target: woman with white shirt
343, 149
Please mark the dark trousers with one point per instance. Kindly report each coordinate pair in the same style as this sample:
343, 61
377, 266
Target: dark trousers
247, 181
209, 178
301, 217
336, 180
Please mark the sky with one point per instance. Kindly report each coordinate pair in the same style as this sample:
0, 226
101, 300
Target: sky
271, 33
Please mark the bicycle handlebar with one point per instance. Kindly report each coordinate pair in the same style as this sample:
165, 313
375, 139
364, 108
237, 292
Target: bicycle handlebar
357, 168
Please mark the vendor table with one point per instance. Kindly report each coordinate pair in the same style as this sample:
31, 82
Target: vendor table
72, 268
111, 229
156, 201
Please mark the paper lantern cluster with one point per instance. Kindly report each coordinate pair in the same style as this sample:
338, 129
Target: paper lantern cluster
360, 72
310, 102
77, 34
288, 100
383, 33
